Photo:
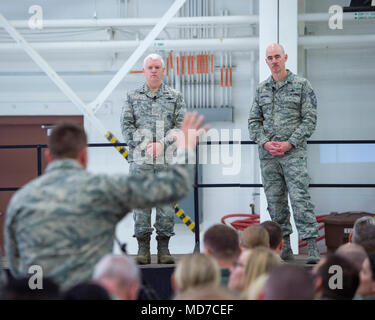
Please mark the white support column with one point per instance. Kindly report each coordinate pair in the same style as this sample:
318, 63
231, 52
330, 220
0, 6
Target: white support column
288, 32
97, 103
278, 23
268, 29
288, 37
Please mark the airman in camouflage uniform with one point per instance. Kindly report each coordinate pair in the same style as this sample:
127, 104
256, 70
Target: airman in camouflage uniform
150, 113
282, 118
65, 220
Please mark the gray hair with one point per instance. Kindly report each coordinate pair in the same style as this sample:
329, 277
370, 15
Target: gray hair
154, 56
364, 229
120, 268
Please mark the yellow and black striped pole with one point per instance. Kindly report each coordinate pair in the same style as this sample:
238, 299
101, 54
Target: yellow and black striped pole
112, 139
185, 218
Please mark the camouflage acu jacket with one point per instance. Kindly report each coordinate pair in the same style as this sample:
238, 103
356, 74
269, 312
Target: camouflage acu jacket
151, 116
283, 111
65, 220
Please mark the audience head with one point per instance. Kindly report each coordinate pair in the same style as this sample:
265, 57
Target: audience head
256, 290
19, 289
367, 277
335, 278
364, 229
67, 141
289, 282
237, 271
222, 243
368, 246
255, 236
86, 291
354, 253
195, 271
275, 234
260, 261
119, 275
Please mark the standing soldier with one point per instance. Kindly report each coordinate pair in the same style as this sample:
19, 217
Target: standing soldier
149, 113
65, 220
282, 118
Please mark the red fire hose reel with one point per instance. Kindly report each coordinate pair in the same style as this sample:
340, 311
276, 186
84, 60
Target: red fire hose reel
253, 219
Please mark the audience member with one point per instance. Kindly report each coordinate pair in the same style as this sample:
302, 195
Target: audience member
368, 245
366, 288
289, 282
20, 289
195, 271
275, 235
335, 278
236, 277
222, 243
86, 291
354, 253
260, 261
65, 220
256, 290
363, 229
254, 236
119, 275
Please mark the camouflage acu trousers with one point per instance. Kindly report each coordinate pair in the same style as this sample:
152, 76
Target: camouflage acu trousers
164, 222
285, 174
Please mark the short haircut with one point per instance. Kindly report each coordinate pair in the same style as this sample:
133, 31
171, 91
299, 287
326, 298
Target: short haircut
368, 245
154, 56
120, 268
274, 232
353, 252
255, 236
281, 47
222, 241
364, 229
289, 282
350, 278
67, 140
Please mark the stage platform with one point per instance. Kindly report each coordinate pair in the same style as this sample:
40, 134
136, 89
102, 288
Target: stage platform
158, 276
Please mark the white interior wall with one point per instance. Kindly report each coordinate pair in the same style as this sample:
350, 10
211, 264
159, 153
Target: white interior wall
344, 83
342, 80
27, 91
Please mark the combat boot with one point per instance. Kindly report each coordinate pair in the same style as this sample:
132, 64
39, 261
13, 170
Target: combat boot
144, 255
287, 253
164, 257
313, 255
